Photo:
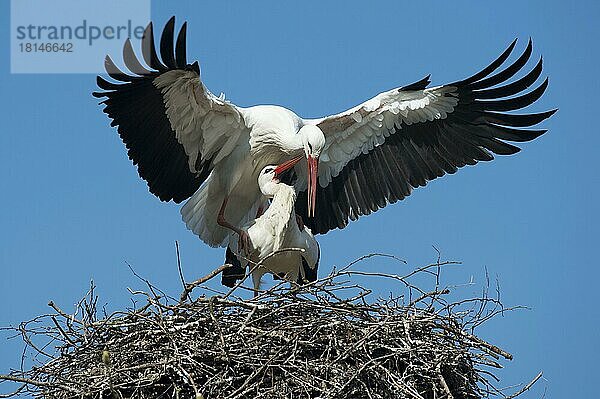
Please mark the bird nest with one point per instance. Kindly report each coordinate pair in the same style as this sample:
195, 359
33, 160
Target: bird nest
329, 339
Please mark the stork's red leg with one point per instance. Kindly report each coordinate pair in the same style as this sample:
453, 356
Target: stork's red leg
244, 238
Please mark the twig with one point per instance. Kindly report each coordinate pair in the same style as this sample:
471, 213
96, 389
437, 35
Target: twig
36, 383
526, 387
189, 287
62, 332
63, 314
486, 345
14, 393
183, 285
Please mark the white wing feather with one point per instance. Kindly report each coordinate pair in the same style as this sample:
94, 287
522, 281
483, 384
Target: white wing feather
365, 126
206, 125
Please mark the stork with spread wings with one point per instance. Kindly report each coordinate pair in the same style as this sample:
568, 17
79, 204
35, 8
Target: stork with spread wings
189, 144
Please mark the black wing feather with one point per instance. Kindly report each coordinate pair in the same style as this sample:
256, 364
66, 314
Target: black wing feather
420, 85
137, 108
166, 44
490, 68
180, 48
512, 104
131, 61
514, 87
149, 50
506, 74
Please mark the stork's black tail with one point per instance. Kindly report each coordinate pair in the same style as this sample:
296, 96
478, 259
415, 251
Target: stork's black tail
310, 274
232, 274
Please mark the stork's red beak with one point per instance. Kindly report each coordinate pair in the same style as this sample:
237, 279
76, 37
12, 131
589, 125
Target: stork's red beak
313, 165
313, 168
287, 165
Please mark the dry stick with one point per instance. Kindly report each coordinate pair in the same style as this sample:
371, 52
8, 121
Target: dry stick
481, 342
368, 335
360, 370
63, 314
14, 393
36, 383
29, 342
247, 320
526, 387
62, 332
189, 287
190, 379
108, 374
151, 286
240, 391
371, 255
438, 369
428, 294
212, 315
179, 265
398, 277
403, 387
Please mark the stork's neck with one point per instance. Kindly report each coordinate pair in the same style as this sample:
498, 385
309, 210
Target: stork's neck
281, 215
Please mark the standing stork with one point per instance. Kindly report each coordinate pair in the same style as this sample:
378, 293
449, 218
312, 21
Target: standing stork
188, 143
278, 243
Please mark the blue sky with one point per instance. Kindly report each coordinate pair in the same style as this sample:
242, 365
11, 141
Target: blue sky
72, 207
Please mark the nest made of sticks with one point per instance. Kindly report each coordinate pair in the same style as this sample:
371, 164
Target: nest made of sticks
329, 339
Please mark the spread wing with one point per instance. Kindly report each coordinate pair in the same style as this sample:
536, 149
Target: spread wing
174, 128
377, 152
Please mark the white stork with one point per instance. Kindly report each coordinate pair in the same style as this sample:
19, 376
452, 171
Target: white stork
276, 230
187, 142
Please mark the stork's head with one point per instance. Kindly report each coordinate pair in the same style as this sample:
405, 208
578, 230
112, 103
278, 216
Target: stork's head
272, 177
313, 141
